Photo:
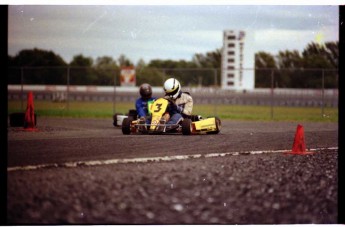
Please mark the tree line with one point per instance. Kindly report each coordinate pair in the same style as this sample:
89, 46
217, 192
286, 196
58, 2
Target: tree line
291, 68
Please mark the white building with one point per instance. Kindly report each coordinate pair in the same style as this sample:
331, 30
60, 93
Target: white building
237, 61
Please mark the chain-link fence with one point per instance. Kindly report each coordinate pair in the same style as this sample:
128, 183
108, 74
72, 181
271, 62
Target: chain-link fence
273, 87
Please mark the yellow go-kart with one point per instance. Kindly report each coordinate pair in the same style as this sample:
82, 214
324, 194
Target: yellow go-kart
191, 125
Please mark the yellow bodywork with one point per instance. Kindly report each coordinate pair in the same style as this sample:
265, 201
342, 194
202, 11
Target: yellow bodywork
158, 109
208, 124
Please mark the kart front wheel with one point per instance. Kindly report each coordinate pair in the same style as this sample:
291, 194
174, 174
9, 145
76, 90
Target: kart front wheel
126, 126
218, 126
187, 126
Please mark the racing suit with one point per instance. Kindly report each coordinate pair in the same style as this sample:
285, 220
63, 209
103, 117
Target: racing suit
183, 107
141, 105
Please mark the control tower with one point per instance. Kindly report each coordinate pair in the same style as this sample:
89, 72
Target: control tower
237, 62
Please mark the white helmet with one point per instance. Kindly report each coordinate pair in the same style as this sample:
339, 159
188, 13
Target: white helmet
172, 88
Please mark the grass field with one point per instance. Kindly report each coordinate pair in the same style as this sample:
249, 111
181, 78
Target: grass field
234, 112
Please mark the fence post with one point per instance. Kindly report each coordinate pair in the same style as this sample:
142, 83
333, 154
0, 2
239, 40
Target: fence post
216, 90
21, 87
67, 92
114, 96
164, 76
336, 94
323, 93
272, 92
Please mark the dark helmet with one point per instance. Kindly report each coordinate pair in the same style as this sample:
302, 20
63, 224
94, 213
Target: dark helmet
145, 91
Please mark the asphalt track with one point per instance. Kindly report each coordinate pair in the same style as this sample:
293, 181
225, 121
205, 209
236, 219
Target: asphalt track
84, 171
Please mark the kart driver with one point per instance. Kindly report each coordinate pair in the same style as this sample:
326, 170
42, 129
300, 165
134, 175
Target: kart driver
181, 103
142, 103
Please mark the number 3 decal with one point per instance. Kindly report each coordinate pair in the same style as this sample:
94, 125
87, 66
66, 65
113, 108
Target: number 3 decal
158, 107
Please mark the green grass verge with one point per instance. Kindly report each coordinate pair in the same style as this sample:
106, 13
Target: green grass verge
234, 112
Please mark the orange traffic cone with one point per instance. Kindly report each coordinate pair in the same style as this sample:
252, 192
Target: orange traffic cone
29, 120
299, 142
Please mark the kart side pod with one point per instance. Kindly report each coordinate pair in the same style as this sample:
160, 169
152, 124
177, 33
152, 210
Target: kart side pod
210, 125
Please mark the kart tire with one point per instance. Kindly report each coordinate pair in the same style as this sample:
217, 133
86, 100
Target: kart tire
133, 113
18, 120
126, 126
187, 126
218, 126
115, 119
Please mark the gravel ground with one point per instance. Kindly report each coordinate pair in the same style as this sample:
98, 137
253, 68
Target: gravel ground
272, 188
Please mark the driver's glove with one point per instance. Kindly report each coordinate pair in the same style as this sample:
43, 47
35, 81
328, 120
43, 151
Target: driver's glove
177, 108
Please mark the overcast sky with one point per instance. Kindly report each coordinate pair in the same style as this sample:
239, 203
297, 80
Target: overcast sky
165, 32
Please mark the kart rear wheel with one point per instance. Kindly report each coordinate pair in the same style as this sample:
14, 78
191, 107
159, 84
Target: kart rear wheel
218, 126
126, 126
115, 119
133, 113
187, 126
